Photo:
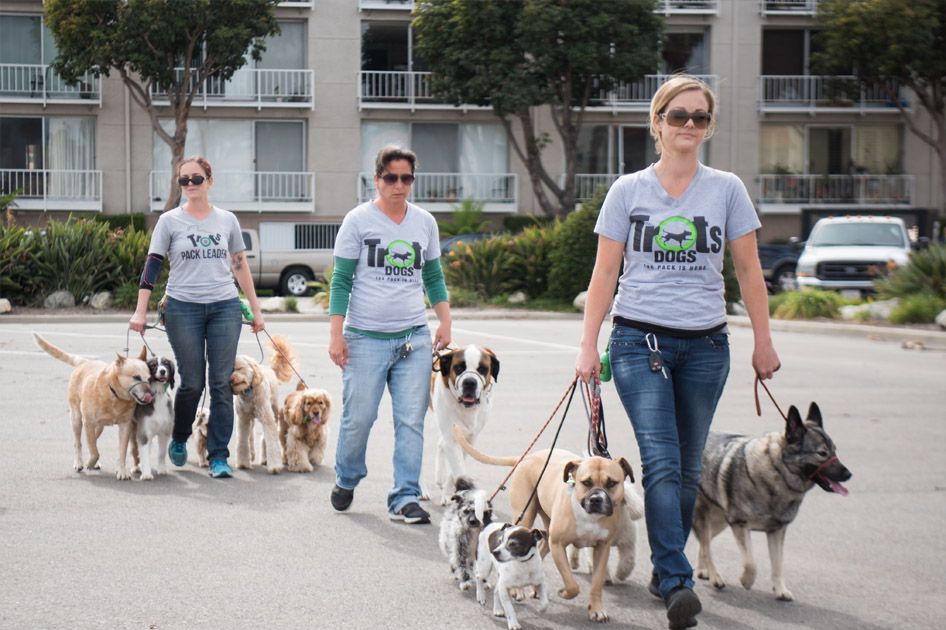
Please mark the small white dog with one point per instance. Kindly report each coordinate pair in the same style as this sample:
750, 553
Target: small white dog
460, 527
513, 551
155, 422
460, 394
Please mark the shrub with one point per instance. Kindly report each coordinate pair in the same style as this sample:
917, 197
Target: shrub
925, 273
809, 304
463, 297
18, 248
75, 256
775, 301
134, 221
126, 295
129, 251
573, 250
323, 289
466, 219
529, 260
515, 223
919, 308
482, 267
292, 304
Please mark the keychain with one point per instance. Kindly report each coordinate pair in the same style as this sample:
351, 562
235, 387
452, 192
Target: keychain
656, 360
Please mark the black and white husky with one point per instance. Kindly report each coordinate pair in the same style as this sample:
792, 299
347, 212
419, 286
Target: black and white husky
468, 513
154, 422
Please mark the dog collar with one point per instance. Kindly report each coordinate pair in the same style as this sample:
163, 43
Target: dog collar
248, 392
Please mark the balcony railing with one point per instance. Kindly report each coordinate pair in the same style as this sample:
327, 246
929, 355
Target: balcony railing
588, 185
296, 4
248, 191
32, 83
688, 7
249, 87
387, 89
636, 96
866, 190
385, 5
50, 189
788, 7
452, 187
823, 93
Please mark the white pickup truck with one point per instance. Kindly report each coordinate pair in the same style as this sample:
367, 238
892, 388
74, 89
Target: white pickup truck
286, 256
849, 253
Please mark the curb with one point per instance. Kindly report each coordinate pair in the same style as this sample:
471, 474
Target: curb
927, 336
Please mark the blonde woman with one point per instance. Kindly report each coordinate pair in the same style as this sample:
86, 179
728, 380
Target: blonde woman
669, 349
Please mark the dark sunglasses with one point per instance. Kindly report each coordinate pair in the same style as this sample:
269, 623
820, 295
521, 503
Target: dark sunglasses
391, 179
679, 118
196, 180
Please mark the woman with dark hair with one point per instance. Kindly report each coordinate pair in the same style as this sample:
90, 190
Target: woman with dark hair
205, 247
387, 255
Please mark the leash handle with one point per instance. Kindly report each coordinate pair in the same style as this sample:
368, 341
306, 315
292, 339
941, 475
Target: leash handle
758, 407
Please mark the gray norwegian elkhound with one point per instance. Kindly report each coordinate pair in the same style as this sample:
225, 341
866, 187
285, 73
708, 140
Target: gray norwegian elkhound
757, 484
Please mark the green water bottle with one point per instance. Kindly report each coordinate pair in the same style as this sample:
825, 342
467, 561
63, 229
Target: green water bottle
605, 373
247, 314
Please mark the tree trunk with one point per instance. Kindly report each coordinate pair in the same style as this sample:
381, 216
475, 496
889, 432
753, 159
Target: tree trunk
177, 154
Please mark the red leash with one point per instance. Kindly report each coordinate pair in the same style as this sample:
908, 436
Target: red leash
758, 407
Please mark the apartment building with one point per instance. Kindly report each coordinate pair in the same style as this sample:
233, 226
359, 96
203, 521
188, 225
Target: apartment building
292, 137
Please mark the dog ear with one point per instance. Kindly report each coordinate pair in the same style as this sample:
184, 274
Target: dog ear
814, 414
538, 536
300, 386
446, 360
626, 467
569, 469
794, 427
143, 355
457, 499
120, 361
493, 364
257, 375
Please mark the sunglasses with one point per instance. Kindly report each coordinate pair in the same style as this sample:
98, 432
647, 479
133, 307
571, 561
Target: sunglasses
391, 179
196, 180
679, 118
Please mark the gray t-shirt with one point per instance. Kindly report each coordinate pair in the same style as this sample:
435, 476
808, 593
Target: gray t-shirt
388, 289
673, 254
199, 253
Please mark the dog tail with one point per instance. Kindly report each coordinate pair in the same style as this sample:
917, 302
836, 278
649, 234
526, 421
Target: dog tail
483, 458
283, 360
58, 353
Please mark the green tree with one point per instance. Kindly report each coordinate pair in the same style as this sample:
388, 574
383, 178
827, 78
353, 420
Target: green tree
892, 43
518, 56
145, 40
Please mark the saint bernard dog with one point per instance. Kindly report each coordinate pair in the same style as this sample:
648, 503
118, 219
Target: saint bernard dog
460, 394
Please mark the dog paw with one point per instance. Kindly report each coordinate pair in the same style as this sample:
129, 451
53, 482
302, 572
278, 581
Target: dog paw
748, 577
783, 595
702, 574
243, 466
160, 471
123, 475
568, 593
147, 476
513, 626
465, 586
275, 469
136, 469
78, 467
499, 612
598, 616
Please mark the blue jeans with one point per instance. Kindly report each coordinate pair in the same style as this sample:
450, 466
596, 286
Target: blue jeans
372, 364
671, 419
193, 329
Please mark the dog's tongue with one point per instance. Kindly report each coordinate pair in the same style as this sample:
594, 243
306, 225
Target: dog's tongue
148, 398
468, 400
837, 487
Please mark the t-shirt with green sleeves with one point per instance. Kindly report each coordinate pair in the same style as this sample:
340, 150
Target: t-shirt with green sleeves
388, 290
199, 253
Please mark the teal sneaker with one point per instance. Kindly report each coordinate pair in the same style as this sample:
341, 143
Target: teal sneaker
177, 451
220, 469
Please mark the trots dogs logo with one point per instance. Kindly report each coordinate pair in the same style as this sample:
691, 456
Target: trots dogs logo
398, 258
205, 246
675, 240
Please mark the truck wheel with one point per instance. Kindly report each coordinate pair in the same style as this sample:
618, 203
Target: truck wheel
294, 282
785, 279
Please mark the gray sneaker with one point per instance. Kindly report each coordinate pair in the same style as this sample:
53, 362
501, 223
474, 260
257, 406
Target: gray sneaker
412, 514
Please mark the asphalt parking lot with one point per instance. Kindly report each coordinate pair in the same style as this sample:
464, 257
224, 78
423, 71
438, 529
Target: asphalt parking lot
185, 551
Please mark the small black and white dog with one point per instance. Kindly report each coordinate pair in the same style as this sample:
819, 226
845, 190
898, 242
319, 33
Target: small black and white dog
155, 420
513, 551
468, 513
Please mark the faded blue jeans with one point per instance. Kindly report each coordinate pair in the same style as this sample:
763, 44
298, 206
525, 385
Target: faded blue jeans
671, 419
191, 328
372, 365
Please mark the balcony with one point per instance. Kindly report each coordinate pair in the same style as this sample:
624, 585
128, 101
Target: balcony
38, 83
635, 97
44, 189
250, 87
588, 185
248, 191
386, 89
688, 7
385, 5
825, 94
788, 7
296, 4
837, 190
438, 192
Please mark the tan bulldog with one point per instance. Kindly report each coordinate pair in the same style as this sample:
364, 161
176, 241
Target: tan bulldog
580, 501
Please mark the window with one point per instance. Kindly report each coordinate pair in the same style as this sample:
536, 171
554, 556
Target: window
64, 146
284, 52
782, 149
272, 169
684, 52
840, 150
388, 46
